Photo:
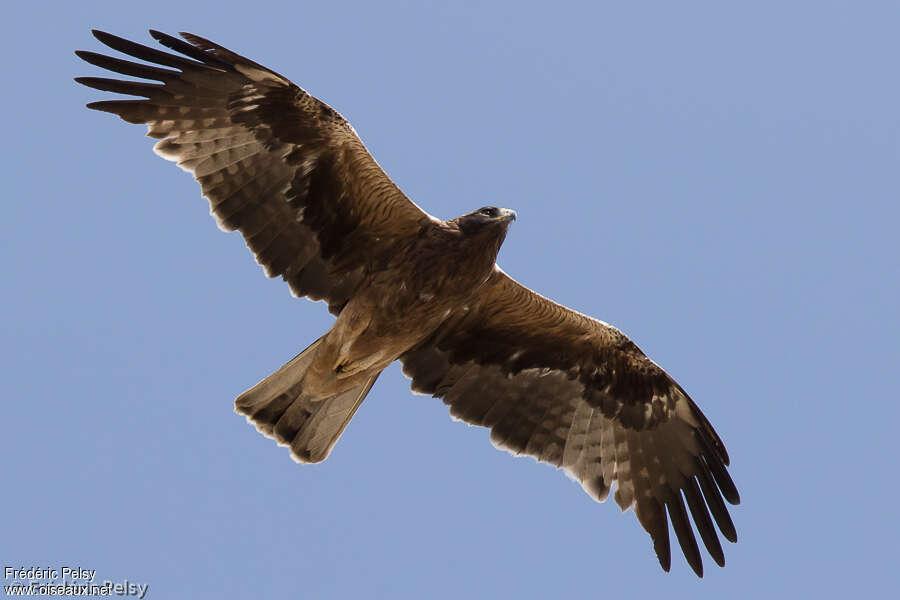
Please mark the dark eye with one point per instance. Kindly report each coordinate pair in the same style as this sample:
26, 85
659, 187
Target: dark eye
488, 212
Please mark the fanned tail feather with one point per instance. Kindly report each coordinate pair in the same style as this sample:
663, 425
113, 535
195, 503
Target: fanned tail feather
311, 427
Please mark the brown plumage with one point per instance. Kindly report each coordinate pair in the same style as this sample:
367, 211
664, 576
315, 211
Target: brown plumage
290, 174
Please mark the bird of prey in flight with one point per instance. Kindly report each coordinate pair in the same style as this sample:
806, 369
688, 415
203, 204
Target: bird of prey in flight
289, 173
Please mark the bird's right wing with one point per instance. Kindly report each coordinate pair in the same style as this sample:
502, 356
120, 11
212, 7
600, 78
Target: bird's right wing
575, 392
275, 163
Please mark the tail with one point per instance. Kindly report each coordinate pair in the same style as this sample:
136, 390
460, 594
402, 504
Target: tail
311, 427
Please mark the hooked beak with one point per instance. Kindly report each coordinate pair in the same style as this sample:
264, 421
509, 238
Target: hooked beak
507, 215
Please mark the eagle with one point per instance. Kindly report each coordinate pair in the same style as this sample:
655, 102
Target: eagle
292, 176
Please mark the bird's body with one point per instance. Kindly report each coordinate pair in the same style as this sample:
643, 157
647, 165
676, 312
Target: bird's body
441, 275
440, 281
291, 175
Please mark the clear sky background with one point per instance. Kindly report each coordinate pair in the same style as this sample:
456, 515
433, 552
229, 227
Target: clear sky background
719, 180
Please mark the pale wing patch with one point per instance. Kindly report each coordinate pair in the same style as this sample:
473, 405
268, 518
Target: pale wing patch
260, 74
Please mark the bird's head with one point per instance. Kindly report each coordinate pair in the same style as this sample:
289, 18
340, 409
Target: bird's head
486, 219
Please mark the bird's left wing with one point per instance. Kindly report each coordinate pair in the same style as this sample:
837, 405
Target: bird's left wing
575, 392
275, 163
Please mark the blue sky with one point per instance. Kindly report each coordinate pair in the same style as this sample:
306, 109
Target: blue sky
720, 182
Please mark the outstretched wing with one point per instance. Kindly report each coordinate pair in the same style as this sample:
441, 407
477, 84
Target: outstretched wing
574, 392
275, 163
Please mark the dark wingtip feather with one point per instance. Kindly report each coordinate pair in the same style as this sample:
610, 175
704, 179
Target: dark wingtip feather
101, 105
132, 88
724, 481
144, 52
104, 37
124, 109
126, 67
170, 41
195, 39
191, 50
684, 533
703, 522
663, 554
659, 533
208, 47
706, 430
711, 440
717, 467
714, 501
201, 42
